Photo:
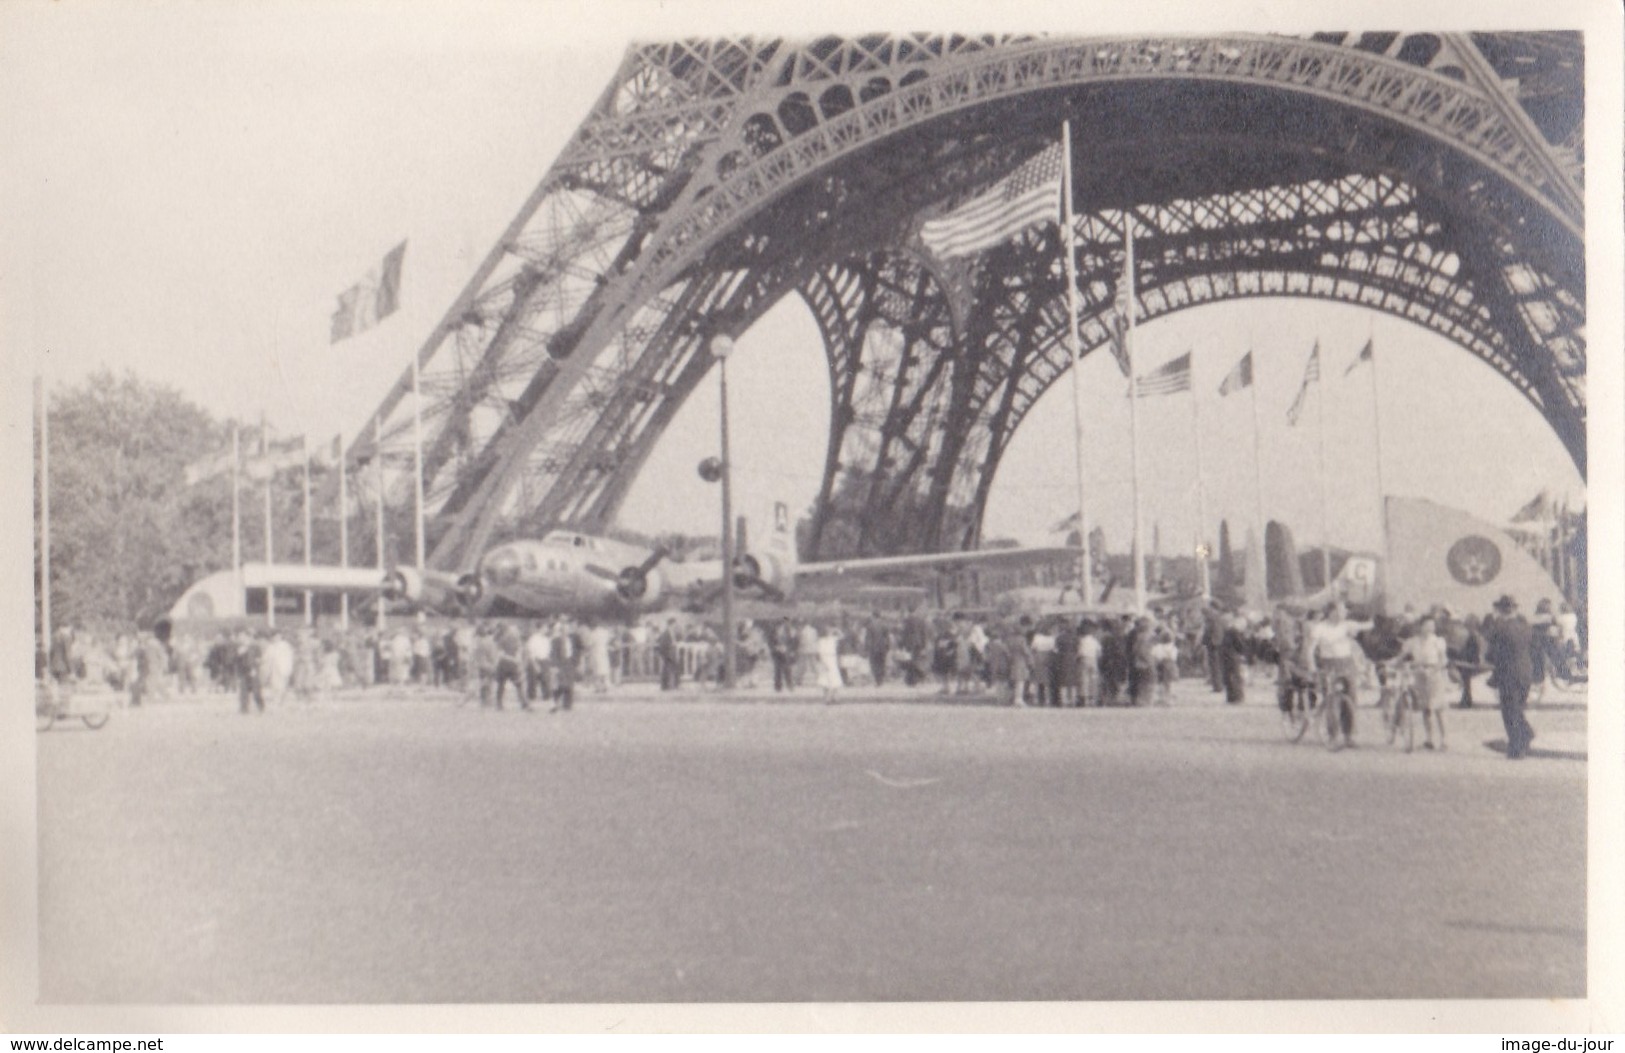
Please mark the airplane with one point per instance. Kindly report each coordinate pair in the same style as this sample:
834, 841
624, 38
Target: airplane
1436, 556
587, 575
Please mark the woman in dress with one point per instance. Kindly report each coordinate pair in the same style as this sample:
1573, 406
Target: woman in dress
829, 662
1427, 653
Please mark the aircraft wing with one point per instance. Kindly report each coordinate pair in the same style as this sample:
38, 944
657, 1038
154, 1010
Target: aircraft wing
889, 566
314, 578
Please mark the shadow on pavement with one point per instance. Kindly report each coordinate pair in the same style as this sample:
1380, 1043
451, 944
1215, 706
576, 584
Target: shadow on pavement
1578, 935
1536, 753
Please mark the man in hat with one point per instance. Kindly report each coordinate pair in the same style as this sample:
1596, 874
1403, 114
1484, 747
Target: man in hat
1509, 644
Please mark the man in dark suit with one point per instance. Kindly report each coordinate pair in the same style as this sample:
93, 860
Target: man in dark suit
564, 650
782, 648
666, 649
246, 659
1212, 639
877, 641
1509, 647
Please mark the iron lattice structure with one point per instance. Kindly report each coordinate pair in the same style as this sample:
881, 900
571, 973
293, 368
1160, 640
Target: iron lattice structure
1437, 178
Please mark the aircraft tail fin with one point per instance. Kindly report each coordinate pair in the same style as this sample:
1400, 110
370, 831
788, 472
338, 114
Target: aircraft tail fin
768, 551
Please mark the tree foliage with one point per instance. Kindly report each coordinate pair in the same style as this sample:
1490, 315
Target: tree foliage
127, 534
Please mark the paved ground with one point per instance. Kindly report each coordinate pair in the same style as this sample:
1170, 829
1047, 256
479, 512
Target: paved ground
407, 849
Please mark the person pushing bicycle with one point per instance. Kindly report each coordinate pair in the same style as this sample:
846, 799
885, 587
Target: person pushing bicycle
1427, 653
1334, 656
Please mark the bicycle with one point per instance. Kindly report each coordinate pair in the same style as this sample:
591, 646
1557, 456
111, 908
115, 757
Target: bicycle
1338, 691
54, 701
1567, 667
1399, 705
1305, 709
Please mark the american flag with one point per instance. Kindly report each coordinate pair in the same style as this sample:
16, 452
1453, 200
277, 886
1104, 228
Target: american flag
1028, 196
1167, 380
1311, 374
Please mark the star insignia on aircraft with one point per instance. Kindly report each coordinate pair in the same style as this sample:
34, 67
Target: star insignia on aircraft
1474, 560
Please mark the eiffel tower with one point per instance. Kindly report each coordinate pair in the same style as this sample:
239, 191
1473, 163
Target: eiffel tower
1437, 178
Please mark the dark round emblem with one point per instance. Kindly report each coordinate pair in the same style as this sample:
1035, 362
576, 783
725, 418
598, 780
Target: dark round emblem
1474, 560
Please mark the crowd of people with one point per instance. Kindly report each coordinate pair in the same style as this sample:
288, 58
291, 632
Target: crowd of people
1436, 651
1024, 660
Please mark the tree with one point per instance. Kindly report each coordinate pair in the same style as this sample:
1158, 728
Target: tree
127, 534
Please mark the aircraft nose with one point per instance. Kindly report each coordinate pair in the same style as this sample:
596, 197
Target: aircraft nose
501, 567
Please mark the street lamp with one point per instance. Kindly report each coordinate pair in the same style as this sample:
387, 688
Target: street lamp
722, 346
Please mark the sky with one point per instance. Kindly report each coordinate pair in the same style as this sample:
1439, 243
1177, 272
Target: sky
191, 213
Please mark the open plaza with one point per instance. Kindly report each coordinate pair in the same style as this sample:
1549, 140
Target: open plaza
405, 847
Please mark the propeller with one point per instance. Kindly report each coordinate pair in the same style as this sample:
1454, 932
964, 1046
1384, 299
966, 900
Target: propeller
632, 583
747, 569
396, 587
432, 589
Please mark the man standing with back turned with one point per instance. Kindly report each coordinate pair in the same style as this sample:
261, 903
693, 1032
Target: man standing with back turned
1508, 645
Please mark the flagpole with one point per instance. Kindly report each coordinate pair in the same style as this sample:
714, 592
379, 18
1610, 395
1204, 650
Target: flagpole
1325, 520
1382, 493
1086, 574
344, 539
304, 442
270, 590
265, 466
236, 506
1258, 453
417, 456
1201, 496
378, 461
1133, 414
43, 398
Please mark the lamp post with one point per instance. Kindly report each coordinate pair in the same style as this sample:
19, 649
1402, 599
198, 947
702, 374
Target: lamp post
722, 346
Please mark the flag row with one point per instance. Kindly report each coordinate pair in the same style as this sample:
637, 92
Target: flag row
260, 454
1175, 376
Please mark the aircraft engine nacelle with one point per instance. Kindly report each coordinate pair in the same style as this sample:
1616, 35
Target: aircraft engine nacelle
432, 590
640, 587
641, 583
764, 570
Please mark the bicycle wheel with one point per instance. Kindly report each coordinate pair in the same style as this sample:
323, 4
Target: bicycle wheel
95, 721
1339, 716
1405, 720
1566, 676
1295, 719
1319, 720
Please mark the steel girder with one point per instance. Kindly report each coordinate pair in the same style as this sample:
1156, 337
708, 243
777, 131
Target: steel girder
673, 215
1361, 239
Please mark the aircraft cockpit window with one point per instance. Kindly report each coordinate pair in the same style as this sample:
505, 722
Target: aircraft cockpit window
579, 541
